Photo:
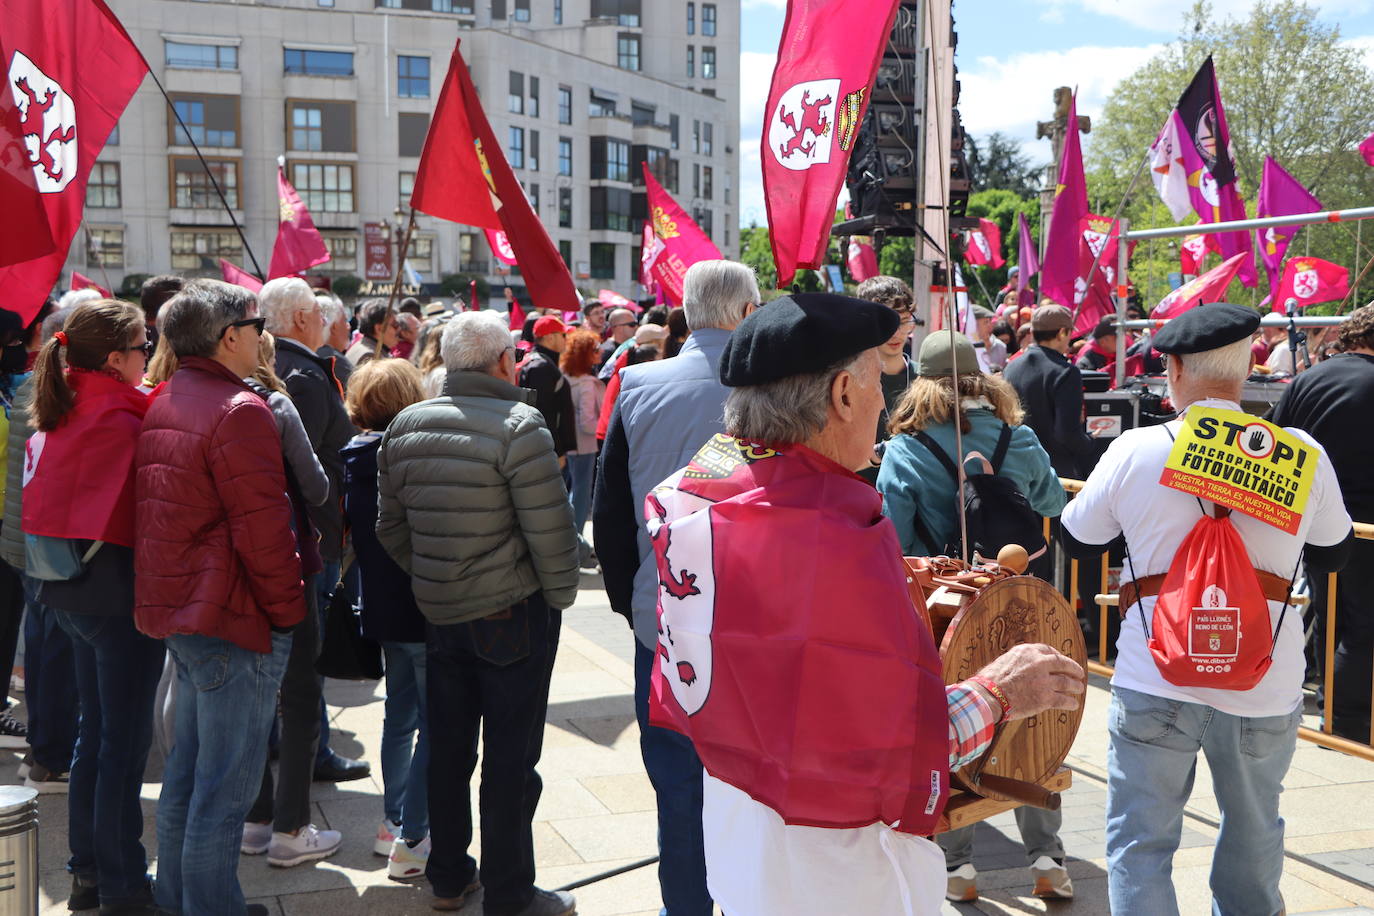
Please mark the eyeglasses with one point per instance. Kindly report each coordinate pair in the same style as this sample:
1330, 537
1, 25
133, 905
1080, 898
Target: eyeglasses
907, 319
147, 349
257, 323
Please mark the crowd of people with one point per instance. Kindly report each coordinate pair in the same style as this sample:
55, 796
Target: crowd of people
194, 481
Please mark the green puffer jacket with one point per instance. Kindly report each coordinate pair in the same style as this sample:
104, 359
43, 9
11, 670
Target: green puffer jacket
472, 503
11, 534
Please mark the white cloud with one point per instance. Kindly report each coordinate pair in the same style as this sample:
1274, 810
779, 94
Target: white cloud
1166, 15
764, 4
755, 73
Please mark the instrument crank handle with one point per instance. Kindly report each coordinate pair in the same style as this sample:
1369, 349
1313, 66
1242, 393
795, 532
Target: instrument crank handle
1017, 790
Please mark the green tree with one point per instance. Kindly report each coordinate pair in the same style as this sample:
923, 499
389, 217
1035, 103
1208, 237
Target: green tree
997, 163
756, 251
1001, 206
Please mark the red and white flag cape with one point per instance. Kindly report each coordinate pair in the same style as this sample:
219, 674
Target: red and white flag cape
70, 70
1192, 253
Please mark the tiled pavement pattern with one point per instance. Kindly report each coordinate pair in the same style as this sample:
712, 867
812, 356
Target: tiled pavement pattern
597, 811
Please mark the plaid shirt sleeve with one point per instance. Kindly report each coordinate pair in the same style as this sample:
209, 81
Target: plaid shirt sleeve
972, 722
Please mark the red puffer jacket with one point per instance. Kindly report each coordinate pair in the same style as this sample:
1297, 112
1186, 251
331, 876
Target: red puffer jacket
215, 554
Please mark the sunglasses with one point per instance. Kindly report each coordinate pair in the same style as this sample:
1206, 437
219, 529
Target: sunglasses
257, 323
147, 349
626, 324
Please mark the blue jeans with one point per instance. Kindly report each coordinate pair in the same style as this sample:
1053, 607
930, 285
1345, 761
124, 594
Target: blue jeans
324, 584
117, 670
1151, 762
225, 698
49, 684
405, 773
583, 469
675, 771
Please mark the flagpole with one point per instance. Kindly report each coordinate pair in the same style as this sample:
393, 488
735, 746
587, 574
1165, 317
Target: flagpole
209, 174
977, 275
396, 284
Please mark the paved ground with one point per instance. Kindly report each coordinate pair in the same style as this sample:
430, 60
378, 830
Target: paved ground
597, 811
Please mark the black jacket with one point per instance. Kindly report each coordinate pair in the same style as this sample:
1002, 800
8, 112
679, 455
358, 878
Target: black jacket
553, 397
1051, 391
316, 394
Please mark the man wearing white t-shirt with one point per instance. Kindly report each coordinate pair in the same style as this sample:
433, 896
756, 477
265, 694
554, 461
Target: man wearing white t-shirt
1157, 728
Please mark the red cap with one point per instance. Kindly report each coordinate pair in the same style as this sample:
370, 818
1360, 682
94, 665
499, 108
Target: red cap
548, 325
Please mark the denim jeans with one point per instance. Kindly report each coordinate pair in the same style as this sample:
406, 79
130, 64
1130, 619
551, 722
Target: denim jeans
1039, 834
405, 771
675, 771
49, 684
117, 670
1151, 762
582, 468
488, 677
324, 584
225, 698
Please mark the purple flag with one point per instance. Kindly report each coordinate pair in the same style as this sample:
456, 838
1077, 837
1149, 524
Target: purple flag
1280, 194
1059, 273
1027, 258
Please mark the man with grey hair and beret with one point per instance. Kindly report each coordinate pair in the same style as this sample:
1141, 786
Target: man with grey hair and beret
472, 506
664, 411
787, 647
1162, 713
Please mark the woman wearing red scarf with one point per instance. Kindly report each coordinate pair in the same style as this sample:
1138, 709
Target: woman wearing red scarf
79, 497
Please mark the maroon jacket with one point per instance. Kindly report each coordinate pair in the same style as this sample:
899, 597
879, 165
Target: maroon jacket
214, 553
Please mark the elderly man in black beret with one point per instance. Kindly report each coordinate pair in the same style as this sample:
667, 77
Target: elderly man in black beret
788, 649
1159, 723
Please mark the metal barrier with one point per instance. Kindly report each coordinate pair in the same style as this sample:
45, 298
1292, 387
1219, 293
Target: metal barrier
18, 851
1107, 602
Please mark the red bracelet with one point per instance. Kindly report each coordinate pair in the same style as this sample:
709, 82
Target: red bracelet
996, 692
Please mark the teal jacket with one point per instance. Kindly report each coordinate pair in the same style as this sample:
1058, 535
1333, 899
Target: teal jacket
911, 478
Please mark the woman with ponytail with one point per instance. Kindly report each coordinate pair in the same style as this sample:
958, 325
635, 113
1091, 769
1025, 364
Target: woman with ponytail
78, 512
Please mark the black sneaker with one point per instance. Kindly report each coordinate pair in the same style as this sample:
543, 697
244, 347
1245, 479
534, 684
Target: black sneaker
13, 733
84, 896
46, 781
550, 903
338, 768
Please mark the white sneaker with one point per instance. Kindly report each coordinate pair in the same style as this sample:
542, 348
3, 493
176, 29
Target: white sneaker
256, 838
386, 836
962, 884
407, 862
306, 845
1052, 880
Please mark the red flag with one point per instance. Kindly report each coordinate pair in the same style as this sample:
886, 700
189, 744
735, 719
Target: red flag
71, 70
1059, 270
1280, 194
1096, 234
299, 244
464, 177
985, 245
1210, 287
80, 281
863, 260
500, 246
826, 61
683, 242
1193, 252
26, 221
1310, 280
613, 300
1367, 149
239, 277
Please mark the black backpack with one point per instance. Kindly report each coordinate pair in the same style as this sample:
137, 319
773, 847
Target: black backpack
998, 512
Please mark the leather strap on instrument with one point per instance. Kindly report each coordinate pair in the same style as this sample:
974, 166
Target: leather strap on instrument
1275, 588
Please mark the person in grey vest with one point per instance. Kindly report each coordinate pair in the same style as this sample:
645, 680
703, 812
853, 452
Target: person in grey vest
665, 410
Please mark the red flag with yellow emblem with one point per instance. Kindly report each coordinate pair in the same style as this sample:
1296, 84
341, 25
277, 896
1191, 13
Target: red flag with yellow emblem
681, 239
299, 244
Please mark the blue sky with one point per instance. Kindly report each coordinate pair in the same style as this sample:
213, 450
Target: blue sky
1011, 56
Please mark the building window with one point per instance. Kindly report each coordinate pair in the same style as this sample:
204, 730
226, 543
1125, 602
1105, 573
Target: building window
696, 136
420, 255
611, 209
343, 254
515, 150
726, 190
691, 61
104, 247
407, 187
603, 260
412, 77
411, 131
642, 115
211, 120
708, 19
468, 262
674, 168
610, 159
696, 179
565, 252
498, 10
184, 55
434, 6
706, 189
624, 12
533, 151
708, 63
655, 157
627, 51
691, 19
565, 156
533, 111
201, 250
325, 3
102, 188
601, 104
674, 125
515, 99
321, 126
564, 105
533, 194
318, 63
708, 132
565, 208
522, 11
325, 187
702, 217
557, 12
191, 187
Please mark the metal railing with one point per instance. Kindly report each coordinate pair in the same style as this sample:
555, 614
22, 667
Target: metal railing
1107, 603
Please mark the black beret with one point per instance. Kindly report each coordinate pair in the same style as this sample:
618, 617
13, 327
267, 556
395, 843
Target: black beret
801, 334
1206, 327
